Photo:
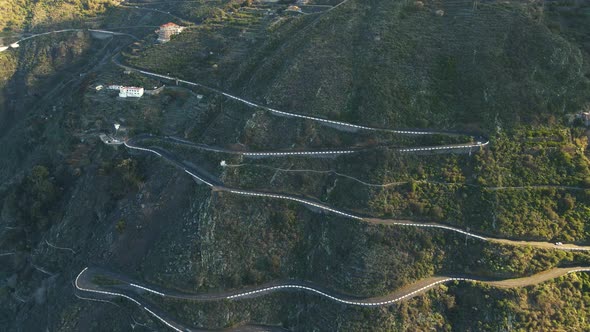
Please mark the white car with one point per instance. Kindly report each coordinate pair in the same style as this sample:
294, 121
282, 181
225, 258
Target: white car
558, 243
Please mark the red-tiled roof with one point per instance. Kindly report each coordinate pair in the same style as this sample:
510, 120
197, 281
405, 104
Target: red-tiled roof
169, 25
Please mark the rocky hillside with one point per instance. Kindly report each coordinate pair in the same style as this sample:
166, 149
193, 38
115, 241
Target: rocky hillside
513, 73
19, 15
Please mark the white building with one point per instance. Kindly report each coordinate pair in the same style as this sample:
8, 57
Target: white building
130, 91
168, 30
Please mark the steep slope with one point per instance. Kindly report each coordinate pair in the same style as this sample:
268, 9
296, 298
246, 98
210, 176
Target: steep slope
25, 14
70, 201
400, 64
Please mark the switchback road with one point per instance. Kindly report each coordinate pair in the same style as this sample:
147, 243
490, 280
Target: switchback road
216, 185
84, 283
121, 286
125, 288
480, 141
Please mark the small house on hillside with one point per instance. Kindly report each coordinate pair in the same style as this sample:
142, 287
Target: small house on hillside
168, 30
130, 91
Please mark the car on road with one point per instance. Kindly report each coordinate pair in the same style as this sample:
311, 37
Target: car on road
558, 243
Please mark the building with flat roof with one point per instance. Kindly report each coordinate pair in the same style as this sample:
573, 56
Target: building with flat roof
130, 91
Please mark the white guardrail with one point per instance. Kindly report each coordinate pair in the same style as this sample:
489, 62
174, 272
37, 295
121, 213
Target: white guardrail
301, 116
306, 202
76, 283
261, 291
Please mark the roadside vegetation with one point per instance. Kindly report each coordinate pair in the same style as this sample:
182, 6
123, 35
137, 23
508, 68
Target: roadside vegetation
482, 70
20, 14
530, 184
32, 206
507, 71
105, 281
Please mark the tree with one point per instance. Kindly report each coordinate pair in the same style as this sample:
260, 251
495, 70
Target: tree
437, 212
37, 195
121, 225
568, 202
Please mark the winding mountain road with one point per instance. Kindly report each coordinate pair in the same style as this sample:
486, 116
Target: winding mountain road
84, 283
481, 141
216, 185
337, 124
133, 291
316, 153
16, 44
121, 286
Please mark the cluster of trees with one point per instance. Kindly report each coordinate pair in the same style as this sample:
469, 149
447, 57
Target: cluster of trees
530, 183
542, 214
558, 305
14, 13
33, 202
529, 156
18, 13
31, 207
125, 176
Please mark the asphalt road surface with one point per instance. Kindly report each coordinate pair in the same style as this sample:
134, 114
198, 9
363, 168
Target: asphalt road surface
122, 286
216, 185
